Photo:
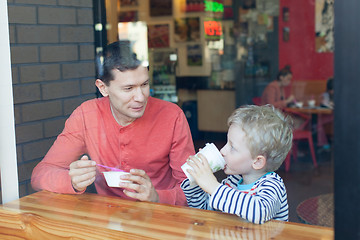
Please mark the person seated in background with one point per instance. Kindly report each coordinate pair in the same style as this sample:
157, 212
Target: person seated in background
274, 92
327, 100
126, 129
259, 139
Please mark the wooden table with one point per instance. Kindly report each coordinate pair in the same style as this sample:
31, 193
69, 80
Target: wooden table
46, 215
314, 113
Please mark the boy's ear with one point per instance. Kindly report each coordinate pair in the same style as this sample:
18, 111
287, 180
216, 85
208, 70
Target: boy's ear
102, 87
259, 162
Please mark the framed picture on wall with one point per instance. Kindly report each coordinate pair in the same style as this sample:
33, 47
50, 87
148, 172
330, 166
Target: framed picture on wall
128, 3
285, 14
324, 25
195, 6
270, 7
194, 55
128, 16
286, 34
249, 4
228, 9
160, 8
187, 29
158, 36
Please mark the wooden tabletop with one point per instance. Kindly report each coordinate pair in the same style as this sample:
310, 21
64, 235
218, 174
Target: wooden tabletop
316, 110
46, 215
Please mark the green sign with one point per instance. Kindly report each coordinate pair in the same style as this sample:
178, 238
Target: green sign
211, 6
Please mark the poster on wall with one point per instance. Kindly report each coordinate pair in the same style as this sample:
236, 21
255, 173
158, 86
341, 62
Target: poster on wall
324, 25
160, 8
187, 29
194, 55
158, 36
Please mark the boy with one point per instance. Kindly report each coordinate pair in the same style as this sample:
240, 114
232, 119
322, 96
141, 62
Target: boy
259, 138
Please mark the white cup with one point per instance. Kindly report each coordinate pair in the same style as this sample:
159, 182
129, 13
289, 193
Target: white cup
311, 103
213, 156
299, 104
113, 178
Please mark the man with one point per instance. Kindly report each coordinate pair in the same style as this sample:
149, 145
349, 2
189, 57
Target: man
145, 136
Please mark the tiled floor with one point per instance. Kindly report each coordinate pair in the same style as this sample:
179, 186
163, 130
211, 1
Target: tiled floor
302, 181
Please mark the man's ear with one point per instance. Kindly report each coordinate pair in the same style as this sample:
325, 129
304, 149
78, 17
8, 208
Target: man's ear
259, 162
102, 87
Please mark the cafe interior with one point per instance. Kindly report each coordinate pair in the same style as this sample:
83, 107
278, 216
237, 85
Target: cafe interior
210, 57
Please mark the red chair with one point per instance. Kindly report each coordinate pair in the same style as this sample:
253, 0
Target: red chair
303, 132
256, 100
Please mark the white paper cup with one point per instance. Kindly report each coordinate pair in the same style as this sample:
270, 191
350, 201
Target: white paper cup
113, 178
213, 156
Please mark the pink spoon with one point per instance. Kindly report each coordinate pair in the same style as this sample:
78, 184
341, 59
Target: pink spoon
111, 168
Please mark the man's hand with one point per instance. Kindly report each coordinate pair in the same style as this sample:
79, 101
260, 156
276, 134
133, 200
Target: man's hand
140, 187
202, 173
82, 173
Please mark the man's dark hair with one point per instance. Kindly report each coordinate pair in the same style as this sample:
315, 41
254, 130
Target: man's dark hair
118, 55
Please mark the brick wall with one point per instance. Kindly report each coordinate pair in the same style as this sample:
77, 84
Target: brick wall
52, 56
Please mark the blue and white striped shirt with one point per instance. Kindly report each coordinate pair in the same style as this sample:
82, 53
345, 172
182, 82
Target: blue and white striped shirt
267, 198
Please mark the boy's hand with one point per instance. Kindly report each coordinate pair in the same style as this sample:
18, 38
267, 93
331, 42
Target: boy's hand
202, 173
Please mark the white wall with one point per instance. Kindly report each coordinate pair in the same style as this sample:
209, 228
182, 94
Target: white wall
8, 163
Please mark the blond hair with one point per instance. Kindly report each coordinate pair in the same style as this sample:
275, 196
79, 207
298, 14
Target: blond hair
268, 132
